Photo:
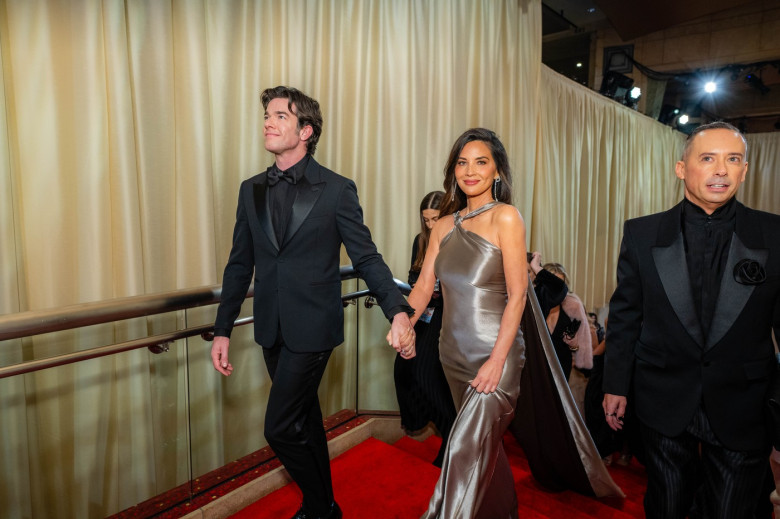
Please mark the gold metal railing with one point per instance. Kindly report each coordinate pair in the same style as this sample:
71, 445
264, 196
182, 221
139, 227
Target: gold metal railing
37, 322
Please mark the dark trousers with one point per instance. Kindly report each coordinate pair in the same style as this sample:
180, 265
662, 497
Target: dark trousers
293, 422
728, 483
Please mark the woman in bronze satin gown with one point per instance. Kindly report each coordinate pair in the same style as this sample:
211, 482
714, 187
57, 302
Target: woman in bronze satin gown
477, 250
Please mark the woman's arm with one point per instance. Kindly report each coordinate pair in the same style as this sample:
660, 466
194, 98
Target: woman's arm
581, 343
599, 349
423, 288
511, 240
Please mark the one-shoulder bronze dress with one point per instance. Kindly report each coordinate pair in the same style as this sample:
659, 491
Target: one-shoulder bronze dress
476, 480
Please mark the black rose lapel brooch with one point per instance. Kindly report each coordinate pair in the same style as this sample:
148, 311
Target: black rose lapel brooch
749, 272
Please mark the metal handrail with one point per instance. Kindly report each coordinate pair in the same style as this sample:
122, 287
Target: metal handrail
76, 316
37, 322
102, 351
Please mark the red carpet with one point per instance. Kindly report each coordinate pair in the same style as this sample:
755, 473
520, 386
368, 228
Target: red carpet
382, 481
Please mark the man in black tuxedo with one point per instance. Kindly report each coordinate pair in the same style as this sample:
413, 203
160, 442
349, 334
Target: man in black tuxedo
290, 224
690, 326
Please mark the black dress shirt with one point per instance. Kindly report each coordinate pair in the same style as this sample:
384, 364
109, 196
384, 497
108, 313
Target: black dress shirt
707, 241
281, 195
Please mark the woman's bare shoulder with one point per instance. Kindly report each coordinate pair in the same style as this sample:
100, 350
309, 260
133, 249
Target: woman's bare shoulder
508, 215
443, 226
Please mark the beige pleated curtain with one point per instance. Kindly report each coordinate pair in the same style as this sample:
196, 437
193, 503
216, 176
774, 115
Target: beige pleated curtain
126, 128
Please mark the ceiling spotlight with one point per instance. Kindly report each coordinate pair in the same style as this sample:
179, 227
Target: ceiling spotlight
635, 93
710, 87
683, 119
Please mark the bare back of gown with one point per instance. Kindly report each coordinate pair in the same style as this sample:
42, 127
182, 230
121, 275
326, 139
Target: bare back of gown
476, 479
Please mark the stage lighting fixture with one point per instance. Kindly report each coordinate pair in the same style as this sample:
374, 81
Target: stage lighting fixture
710, 87
615, 86
668, 114
682, 120
632, 98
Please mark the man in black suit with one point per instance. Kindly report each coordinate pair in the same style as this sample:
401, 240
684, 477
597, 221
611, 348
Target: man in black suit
290, 224
690, 326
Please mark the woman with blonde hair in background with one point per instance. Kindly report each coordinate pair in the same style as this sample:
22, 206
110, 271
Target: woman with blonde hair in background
569, 328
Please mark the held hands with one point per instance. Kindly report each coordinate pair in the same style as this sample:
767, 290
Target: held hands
219, 355
401, 336
488, 376
614, 410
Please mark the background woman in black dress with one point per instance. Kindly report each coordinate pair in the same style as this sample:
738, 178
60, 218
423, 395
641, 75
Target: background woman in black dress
569, 330
420, 386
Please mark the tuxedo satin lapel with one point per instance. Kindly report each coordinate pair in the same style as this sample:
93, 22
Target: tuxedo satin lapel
306, 196
673, 271
264, 211
732, 296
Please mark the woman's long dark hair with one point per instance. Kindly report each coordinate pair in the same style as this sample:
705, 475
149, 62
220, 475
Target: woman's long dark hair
454, 198
430, 201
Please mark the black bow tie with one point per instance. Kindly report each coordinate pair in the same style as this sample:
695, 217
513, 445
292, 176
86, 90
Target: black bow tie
275, 176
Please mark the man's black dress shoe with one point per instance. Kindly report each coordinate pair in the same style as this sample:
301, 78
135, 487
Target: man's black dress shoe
333, 513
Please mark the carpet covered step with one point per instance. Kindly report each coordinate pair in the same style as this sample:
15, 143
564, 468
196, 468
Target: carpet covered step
374, 479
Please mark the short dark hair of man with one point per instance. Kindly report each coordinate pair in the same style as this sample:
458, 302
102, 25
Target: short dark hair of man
716, 125
306, 109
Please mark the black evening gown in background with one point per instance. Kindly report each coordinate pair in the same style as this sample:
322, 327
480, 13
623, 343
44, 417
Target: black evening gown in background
420, 385
562, 350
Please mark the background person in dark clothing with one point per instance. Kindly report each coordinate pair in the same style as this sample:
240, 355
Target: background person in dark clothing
420, 385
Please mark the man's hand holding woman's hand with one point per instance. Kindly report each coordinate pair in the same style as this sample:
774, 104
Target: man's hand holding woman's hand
401, 336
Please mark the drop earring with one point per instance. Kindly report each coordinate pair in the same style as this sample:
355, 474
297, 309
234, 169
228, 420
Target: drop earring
454, 188
496, 184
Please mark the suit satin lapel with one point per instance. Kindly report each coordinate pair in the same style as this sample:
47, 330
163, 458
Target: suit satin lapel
673, 271
264, 212
732, 296
305, 198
